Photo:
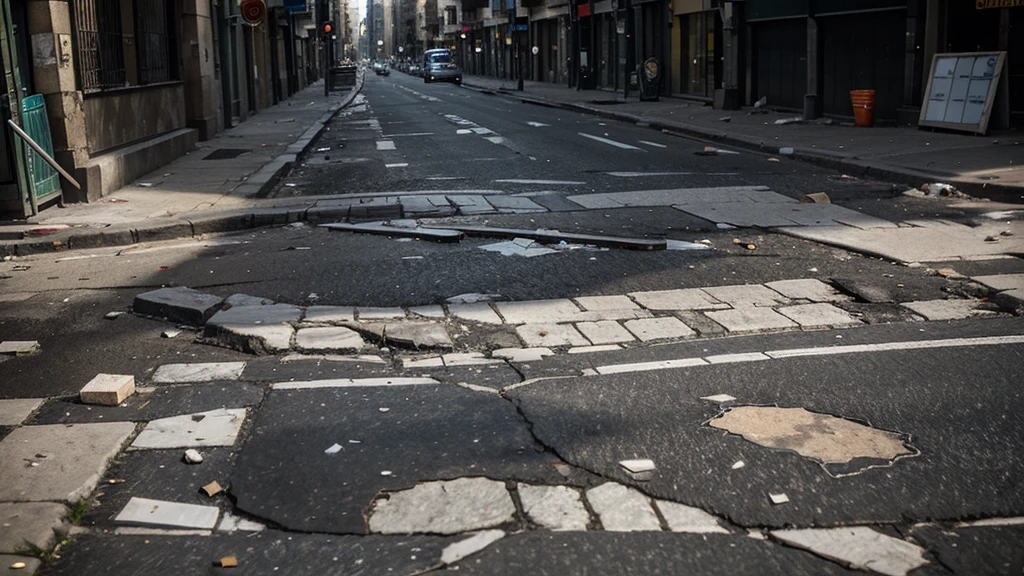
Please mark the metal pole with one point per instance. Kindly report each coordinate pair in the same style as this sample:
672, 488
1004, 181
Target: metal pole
42, 153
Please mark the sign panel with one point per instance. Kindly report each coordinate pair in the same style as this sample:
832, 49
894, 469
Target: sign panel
962, 91
984, 4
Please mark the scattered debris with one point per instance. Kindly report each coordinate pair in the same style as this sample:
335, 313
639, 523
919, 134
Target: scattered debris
383, 410
725, 119
19, 347
212, 489
774, 159
745, 244
640, 470
334, 449
739, 464
107, 389
170, 333
519, 247
784, 121
724, 226
146, 184
386, 472
942, 189
683, 246
816, 198
114, 315
228, 562
720, 398
946, 272
472, 298
761, 103
778, 498
193, 456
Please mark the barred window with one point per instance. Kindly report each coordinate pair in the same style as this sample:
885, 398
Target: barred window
451, 15
101, 40
100, 44
154, 41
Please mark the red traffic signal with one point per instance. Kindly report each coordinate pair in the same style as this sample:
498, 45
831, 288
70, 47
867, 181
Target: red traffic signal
326, 28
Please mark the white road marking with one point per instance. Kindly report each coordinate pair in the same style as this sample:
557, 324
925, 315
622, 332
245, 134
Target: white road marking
644, 174
482, 130
448, 178
646, 366
463, 131
495, 139
655, 144
400, 165
545, 182
537, 124
385, 145
612, 142
409, 134
352, 382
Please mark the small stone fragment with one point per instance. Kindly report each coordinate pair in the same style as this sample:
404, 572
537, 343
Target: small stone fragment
228, 562
778, 498
170, 333
386, 472
108, 389
719, 398
19, 347
192, 456
17, 566
114, 315
212, 489
382, 410
333, 449
739, 464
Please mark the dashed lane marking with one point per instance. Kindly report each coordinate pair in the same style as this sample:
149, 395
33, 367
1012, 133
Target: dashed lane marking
537, 124
399, 165
385, 145
409, 134
645, 174
622, 145
655, 144
544, 182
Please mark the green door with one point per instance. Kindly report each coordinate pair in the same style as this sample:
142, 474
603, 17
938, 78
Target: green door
15, 196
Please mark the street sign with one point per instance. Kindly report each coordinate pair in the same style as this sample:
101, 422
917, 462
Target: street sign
254, 11
517, 28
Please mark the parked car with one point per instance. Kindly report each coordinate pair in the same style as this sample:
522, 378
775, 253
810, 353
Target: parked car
415, 70
438, 65
381, 68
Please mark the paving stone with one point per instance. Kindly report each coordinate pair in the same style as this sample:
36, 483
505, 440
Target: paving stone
648, 329
554, 507
75, 458
517, 203
604, 303
448, 507
418, 334
538, 311
546, 335
14, 412
19, 347
1009, 285
371, 313
859, 547
818, 315
180, 304
329, 339
605, 332
685, 299
471, 204
212, 428
246, 300
744, 295
107, 389
199, 372
468, 359
434, 311
35, 523
254, 329
749, 319
160, 513
471, 545
522, 354
475, 312
329, 314
682, 518
32, 565
944, 309
807, 289
430, 362
622, 509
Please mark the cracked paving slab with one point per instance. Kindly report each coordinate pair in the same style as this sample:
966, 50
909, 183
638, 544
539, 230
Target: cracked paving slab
438, 432
447, 507
858, 547
961, 434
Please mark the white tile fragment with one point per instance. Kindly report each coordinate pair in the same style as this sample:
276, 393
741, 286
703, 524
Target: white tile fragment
160, 513
859, 547
622, 509
522, 354
472, 545
778, 498
719, 398
212, 428
230, 523
738, 464
334, 449
447, 507
554, 507
682, 518
200, 372
638, 465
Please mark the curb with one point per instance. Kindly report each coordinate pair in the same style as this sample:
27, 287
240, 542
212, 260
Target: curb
847, 164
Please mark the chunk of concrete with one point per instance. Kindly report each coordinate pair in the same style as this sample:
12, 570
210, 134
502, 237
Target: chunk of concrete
19, 347
747, 295
858, 547
447, 507
944, 309
604, 332
622, 509
522, 354
329, 339
648, 329
475, 312
213, 428
682, 518
30, 523
807, 289
198, 372
818, 315
417, 335
179, 304
546, 335
750, 319
554, 507
246, 300
330, 314
472, 545
70, 460
468, 359
163, 514
107, 389
254, 329
14, 412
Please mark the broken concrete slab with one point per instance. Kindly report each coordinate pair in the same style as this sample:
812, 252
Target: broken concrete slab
683, 299
475, 312
554, 507
944, 309
554, 237
522, 354
163, 514
820, 315
329, 339
179, 304
246, 300
19, 347
866, 290
622, 509
418, 335
26, 524
546, 335
649, 329
107, 389
198, 372
807, 289
604, 332
750, 319
329, 314
212, 428
858, 547
746, 295
538, 311
824, 438
468, 359
63, 463
254, 329
14, 412
472, 545
682, 518
447, 507
432, 311
606, 303
373, 313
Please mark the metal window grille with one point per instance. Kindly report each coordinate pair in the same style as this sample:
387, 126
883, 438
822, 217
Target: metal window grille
100, 44
154, 41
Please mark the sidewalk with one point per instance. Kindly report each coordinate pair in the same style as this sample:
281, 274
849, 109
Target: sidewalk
991, 167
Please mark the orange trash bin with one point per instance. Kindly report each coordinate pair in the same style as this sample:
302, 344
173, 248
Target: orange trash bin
863, 106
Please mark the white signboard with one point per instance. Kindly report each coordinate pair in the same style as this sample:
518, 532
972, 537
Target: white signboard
962, 91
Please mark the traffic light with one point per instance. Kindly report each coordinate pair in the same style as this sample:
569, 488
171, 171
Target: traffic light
326, 28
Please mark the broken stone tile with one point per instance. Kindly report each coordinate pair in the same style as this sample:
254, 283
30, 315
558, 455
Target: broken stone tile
554, 507
255, 329
447, 507
431, 362
371, 313
230, 523
475, 312
682, 518
472, 545
107, 389
606, 303
622, 509
538, 311
858, 547
719, 398
418, 334
246, 300
648, 329
14, 412
743, 295
546, 335
435, 311
30, 523
807, 289
778, 498
199, 372
73, 460
750, 319
180, 304
822, 437
605, 332
19, 347
944, 309
329, 339
160, 513
522, 354
28, 564
213, 428
329, 314
818, 315
685, 299
468, 359
641, 470
589, 349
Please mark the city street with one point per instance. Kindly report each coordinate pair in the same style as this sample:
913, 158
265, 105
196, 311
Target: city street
664, 363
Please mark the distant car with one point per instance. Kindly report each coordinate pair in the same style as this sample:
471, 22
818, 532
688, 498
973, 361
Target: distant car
438, 64
381, 69
416, 70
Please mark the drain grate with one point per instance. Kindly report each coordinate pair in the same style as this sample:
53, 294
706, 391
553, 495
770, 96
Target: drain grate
226, 153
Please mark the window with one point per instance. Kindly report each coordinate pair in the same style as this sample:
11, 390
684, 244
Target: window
451, 15
100, 44
154, 41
